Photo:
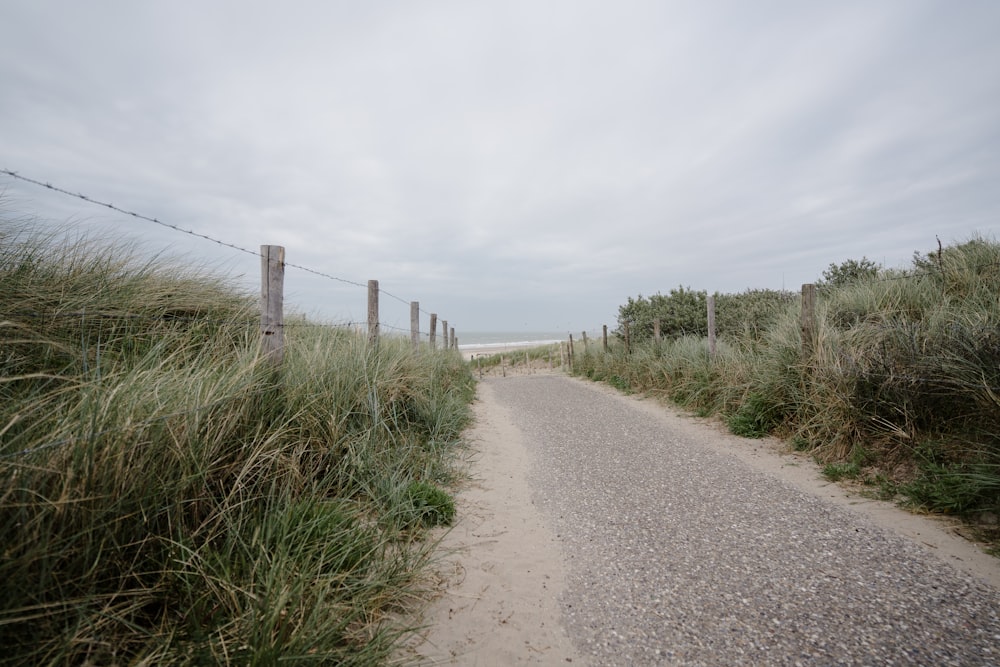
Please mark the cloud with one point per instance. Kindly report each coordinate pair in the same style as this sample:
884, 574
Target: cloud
517, 153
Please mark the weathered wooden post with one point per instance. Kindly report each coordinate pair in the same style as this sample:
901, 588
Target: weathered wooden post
584, 336
373, 312
415, 324
454, 341
711, 327
605, 337
434, 326
808, 320
571, 353
272, 285
444, 335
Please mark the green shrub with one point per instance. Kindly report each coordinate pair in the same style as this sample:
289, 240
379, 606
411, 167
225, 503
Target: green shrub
430, 505
838, 471
955, 488
755, 418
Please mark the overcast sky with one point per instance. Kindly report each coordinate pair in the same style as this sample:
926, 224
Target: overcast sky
516, 164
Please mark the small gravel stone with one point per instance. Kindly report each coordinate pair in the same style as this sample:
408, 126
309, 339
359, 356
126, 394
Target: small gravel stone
680, 555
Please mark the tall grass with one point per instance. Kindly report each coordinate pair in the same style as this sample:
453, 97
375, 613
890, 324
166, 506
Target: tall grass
168, 498
904, 380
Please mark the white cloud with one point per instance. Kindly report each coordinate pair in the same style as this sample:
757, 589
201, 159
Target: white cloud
518, 151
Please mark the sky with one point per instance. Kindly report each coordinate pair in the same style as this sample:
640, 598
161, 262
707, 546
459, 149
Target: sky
515, 165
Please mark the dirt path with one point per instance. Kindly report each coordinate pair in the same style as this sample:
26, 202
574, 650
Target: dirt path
502, 571
532, 577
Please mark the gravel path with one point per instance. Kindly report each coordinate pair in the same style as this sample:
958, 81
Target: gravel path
679, 554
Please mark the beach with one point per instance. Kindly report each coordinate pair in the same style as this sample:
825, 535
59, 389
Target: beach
488, 343
470, 352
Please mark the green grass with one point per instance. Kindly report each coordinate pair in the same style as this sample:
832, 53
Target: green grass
169, 498
516, 357
842, 470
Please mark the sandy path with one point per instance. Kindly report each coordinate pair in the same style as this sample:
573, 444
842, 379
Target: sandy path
505, 580
503, 571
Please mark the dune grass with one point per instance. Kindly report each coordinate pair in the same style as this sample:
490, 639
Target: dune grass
902, 386
169, 498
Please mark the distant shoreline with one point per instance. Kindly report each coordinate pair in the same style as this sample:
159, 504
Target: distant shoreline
471, 350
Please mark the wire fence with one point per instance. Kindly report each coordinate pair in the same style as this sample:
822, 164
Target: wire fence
16, 317
190, 232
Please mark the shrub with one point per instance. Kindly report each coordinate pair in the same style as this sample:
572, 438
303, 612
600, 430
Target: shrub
430, 505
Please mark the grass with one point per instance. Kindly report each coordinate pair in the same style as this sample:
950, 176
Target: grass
169, 498
516, 358
902, 359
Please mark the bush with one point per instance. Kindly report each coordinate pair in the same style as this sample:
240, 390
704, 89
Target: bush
430, 506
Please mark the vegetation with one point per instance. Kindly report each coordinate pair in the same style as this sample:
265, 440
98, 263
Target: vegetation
901, 389
682, 313
168, 497
516, 358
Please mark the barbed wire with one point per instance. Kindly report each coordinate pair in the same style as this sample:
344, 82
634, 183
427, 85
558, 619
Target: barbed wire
139, 216
177, 228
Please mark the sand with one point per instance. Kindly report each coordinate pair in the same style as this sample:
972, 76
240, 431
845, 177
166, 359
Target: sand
508, 348
502, 571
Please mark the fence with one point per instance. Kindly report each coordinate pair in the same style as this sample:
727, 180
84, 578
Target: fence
273, 264
808, 326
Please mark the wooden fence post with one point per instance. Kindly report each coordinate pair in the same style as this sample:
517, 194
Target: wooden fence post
272, 285
434, 326
571, 353
415, 324
605, 337
453, 345
444, 335
583, 334
808, 319
711, 327
373, 312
